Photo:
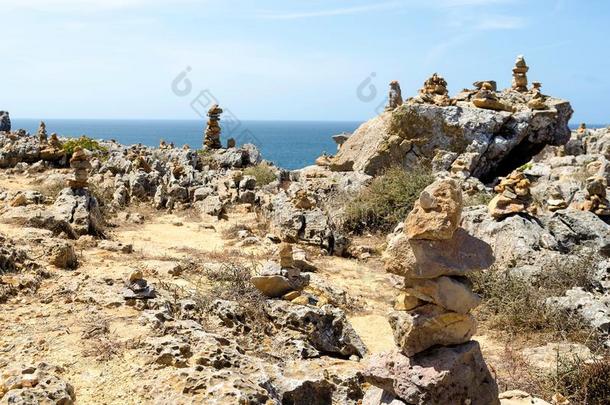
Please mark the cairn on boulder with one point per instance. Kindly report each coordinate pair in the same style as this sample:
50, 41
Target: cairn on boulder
277, 279
436, 362
212, 132
486, 98
520, 75
42, 133
52, 149
81, 165
538, 99
5, 122
596, 200
54, 141
434, 92
582, 129
513, 196
394, 96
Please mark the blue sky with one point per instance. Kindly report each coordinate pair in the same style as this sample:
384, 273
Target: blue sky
271, 59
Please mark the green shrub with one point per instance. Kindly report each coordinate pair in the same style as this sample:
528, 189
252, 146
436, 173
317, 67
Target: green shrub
84, 142
386, 201
262, 172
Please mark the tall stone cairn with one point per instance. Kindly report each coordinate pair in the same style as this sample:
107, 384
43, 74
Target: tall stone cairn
520, 75
436, 362
211, 138
394, 96
81, 165
42, 133
5, 122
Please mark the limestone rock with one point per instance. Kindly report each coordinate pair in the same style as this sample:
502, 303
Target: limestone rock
80, 209
444, 375
412, 132
457, 256
436, 214
517, 397
451, 293
394, 96
429, 325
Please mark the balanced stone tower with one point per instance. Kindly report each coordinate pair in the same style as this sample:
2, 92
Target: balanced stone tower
81, 165
5, 122
212, 132
520, 75
436, 362
42, 133
394, 96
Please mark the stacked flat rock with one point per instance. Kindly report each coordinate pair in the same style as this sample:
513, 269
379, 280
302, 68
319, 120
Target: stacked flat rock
537, 102
394, 96
51, 150
81, 165
42, 133
582, 130
520, 75
596, 199
212, 132
436, 362
555, 202
5, 122
513, 196
434, 92
279, 278
486, 98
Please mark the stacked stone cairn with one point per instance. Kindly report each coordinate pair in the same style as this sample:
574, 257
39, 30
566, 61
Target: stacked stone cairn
54, 141
394, 96
486, 98
212, 131
81, 165
434, 92
582, 130
537, 101
436, 362
555, 202
51, 149
520, 75
596, 200
278, 278
42, 133
514, 196
5, 122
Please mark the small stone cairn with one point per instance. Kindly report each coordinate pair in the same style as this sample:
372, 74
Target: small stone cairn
556, 201
513, 196
486, 98
394, 96
5, 122
434, 92
436, 362
42, 133
277, 279
596, 199
81, 165
212, 132
520, 75
538, 99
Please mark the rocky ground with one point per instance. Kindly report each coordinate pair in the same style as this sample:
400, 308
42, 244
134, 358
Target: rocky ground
168, 275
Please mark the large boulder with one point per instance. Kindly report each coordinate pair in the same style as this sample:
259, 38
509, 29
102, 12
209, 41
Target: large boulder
80, 209
443, 375
492, 142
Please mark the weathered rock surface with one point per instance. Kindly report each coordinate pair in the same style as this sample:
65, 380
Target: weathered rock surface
444, 375
500, 141
80, 209
429, 325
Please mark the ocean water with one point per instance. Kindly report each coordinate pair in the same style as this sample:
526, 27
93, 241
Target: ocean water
288, 144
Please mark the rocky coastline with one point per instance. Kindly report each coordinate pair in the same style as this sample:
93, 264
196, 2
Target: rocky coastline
134, 274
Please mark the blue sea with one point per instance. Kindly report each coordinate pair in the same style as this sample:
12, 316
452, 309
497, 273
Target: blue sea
288, 144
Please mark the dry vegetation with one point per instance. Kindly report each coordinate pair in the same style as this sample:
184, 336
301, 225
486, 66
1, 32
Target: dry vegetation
386, 201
